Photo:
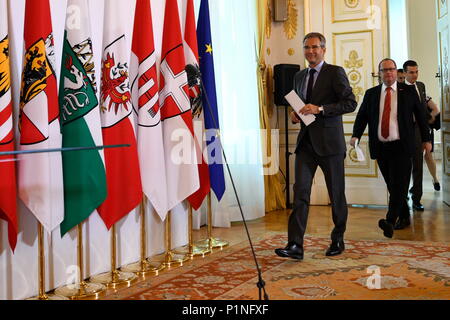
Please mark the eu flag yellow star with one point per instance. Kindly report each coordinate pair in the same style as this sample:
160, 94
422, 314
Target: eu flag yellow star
208, 48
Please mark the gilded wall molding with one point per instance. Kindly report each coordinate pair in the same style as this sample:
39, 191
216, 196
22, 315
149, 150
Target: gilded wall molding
354, 75
291, 24
268, 20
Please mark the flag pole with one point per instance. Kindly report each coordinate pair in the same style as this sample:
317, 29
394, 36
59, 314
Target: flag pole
144, 268
115, 279
193, 250
211, 243
82, 289
171, 259
41, 270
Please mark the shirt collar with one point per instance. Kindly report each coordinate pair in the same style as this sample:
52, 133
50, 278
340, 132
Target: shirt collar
318, 67
394, 87
409, 83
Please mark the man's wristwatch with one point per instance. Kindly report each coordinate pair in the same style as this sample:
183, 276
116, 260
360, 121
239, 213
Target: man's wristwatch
321, 109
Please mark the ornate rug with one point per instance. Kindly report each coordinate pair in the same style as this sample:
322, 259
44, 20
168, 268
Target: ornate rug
367, 270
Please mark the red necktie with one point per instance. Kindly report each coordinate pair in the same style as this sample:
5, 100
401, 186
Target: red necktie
386, 114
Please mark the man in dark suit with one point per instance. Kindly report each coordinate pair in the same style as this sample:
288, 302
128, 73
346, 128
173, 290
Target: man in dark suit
389, 110
327, 94
412, 74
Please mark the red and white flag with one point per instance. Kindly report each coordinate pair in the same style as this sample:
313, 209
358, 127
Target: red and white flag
144, 92
191, 54
122, 164
176, 115
8, 194
40, 180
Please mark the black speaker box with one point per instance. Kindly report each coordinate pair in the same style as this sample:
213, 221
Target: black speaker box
283, 75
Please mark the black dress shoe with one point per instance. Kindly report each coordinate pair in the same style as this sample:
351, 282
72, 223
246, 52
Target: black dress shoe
292, 250
402, 223
437, 186
418, 206
387, 227
336, 247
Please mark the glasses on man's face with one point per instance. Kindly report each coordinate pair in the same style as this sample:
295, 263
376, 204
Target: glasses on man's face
388, 70
311, 47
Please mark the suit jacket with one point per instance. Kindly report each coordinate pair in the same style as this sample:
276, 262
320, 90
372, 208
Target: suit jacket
423, 98
422, 91
332, 91
408, 104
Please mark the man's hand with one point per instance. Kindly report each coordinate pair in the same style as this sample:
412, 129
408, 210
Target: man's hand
294, 117
353, 142
427, 146
310, 109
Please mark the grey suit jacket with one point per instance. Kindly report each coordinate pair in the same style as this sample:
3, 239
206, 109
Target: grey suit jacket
332, 91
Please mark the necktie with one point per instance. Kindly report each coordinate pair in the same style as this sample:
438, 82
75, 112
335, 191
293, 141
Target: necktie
310, 86
386, 114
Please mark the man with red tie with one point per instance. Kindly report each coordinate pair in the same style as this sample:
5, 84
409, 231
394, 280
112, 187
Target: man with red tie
388, 110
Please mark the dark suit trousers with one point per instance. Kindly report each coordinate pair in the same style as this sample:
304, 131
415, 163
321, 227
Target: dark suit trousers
395, 165
306, 162
417, 168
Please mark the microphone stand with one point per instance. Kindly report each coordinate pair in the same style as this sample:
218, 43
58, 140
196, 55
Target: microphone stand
261, 283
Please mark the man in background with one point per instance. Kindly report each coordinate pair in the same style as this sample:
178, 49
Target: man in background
412, 74
401, 75
389, 110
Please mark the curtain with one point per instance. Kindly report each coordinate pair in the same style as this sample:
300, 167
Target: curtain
233, 27
274, 197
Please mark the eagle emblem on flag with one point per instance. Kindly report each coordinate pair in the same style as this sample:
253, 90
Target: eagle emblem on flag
115, 84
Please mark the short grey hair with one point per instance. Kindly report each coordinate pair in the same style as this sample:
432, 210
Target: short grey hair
323, 41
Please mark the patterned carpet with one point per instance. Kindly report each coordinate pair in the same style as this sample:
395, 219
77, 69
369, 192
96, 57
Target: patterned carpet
408, 270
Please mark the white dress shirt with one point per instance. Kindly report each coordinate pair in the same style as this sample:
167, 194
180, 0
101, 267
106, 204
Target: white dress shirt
393, 122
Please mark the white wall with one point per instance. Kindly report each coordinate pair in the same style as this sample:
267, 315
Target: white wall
423, 48
398, 31
423, 42
18, 271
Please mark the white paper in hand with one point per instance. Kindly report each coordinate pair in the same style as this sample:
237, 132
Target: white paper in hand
359, 152
297, 104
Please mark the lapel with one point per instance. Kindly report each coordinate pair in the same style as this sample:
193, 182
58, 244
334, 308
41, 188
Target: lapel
400, 102
376, 110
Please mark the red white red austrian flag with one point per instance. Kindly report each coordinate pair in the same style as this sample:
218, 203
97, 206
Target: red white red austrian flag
8, 205
145, 101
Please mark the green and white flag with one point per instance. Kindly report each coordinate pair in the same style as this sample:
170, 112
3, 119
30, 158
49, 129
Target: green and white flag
84, 171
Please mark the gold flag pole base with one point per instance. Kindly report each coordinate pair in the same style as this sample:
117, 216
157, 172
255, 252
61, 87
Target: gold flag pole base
212, 243
169, 259
195, 251
144, 268
48, 297
82, 291
115, 279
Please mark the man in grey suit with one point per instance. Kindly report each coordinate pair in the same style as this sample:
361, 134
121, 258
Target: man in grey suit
327, 94
412, 73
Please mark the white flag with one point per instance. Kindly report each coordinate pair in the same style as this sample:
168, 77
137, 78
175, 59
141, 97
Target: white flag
40, 175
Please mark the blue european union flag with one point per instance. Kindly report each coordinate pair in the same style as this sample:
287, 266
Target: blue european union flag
210, 113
